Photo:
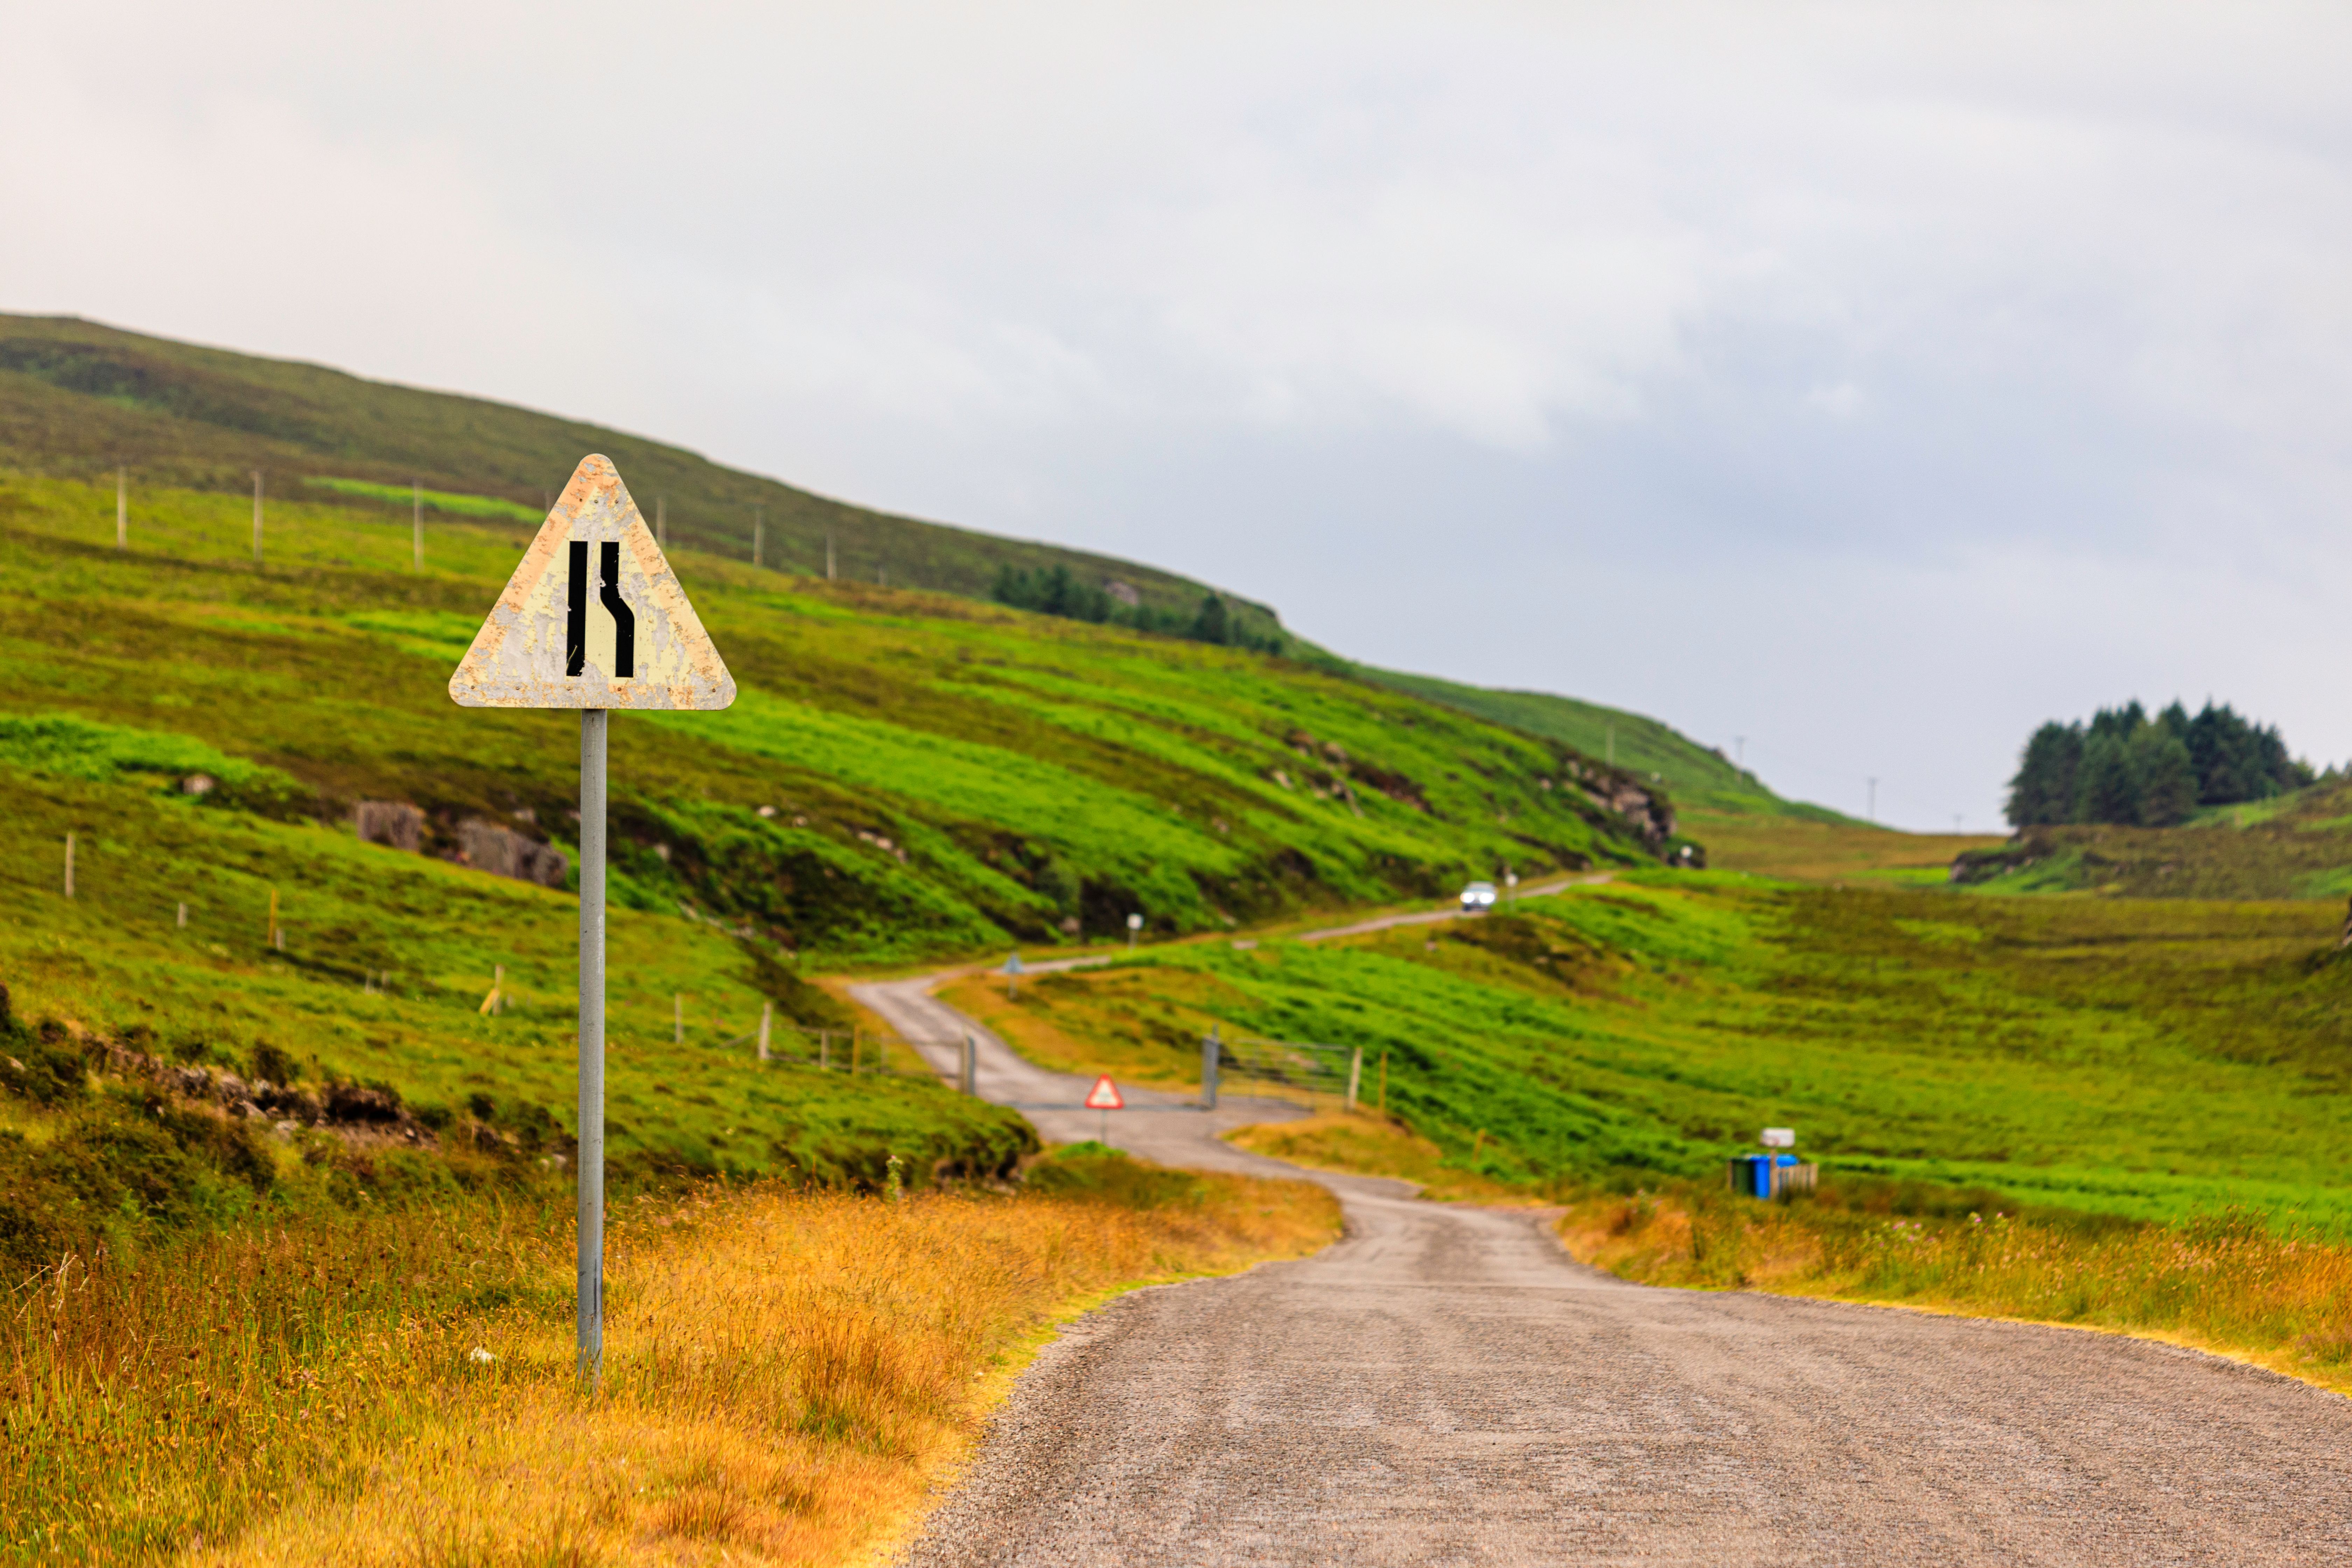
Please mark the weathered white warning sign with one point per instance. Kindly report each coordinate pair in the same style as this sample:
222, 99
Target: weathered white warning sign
593, 617
1104, 1096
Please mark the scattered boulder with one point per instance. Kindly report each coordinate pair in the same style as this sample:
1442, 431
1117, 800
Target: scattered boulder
502, 852
395, 823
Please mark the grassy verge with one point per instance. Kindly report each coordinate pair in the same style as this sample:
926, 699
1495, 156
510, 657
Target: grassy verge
1367, 1145
2234, 1283
786, 1371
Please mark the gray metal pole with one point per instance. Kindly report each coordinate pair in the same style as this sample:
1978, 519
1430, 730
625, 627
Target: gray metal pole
1209, 1050
591, 1298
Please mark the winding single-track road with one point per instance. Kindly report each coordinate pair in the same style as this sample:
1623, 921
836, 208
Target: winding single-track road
1445, 1387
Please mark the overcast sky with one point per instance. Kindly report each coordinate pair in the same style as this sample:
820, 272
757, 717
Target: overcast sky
1870, 381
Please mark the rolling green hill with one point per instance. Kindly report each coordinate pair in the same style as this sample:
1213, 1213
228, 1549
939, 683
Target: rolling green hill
1696, 775
904, 776
79, 399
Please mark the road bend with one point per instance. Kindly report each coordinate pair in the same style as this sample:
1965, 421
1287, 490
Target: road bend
1445, 1387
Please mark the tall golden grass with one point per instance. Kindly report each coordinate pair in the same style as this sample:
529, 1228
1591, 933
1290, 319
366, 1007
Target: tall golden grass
785, 1375
2228, 1283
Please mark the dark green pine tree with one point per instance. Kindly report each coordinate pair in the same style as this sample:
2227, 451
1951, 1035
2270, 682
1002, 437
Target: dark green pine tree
2163, 779
1212, 625
2103, 786
2043, 789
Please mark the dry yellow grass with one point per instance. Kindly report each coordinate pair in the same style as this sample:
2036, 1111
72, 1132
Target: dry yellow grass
786, 1374
1362, 1144
2222, 1283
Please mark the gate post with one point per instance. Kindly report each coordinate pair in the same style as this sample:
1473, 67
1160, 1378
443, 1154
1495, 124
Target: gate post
1209, 1050
971, 1066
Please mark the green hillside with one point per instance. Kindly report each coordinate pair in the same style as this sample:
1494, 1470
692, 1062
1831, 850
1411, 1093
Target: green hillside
1696, 775
79, 399
904, 776
2291, 845
2122, 1056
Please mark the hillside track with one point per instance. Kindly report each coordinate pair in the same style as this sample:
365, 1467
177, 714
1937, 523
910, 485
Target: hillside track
1445, 1387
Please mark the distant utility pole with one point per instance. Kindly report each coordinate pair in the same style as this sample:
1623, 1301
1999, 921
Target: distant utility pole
417, 516
759, 537
123, 508
257, 516
1872, 813
828, 558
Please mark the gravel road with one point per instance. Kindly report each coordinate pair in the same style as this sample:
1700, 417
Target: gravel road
1445, 1387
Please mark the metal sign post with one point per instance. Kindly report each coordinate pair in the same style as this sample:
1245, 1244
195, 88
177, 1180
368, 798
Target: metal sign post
593, 619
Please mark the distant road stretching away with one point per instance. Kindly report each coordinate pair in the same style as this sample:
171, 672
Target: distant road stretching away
1445, 1387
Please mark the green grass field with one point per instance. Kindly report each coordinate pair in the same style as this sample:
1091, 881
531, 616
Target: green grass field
2149, 1059
905, 777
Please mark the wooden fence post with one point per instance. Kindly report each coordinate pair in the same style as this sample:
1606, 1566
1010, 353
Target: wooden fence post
767, 1020
69, 847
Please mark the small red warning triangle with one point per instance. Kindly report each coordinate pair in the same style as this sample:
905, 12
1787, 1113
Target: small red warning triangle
1104, 1096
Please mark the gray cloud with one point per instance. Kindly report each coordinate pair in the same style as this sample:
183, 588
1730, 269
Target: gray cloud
1873, 382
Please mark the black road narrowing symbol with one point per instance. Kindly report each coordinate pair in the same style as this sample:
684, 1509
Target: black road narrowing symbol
608, 594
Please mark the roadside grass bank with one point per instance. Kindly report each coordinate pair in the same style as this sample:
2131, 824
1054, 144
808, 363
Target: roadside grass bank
786, 1370
1366, 1144
2239, 1283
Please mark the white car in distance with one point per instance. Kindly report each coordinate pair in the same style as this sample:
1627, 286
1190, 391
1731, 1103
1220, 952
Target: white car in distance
1477, 898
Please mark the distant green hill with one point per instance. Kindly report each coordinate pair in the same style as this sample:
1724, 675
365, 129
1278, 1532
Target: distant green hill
1694, 774
2291, 845
77, 399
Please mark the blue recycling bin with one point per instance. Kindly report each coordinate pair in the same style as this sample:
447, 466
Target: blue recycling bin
1760, 1175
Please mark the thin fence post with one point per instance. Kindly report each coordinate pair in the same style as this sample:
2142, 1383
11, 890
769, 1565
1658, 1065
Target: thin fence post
1355, 1075
824, 1050
123, 508
759, 538
184, 914
767, 1020
828, 558
1211, 1048
257, 516
272, 934
971, 1066
69, 847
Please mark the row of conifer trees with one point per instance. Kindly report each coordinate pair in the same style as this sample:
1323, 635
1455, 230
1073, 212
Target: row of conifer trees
2127, 766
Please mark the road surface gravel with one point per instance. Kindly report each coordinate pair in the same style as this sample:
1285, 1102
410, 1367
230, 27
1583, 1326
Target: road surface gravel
1445, 1387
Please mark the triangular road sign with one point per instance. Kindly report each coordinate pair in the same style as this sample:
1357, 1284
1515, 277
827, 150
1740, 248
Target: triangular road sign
1104, 1096
593, 617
